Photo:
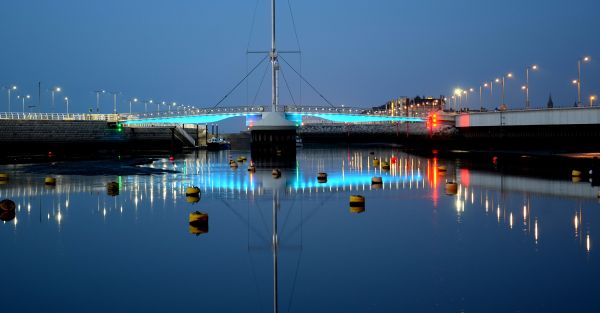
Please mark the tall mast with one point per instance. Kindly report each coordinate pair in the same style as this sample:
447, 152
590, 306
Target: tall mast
274, 63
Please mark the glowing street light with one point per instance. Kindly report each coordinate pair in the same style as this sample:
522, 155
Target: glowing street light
578, 81
23, 98
592, 99
10, 89
98, 92
509, 75
54, 90
135, 100
458, 93
533, 68
67, 104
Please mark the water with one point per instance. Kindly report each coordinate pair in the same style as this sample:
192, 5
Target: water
501, 244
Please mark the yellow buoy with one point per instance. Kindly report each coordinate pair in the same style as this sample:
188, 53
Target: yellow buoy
575, 173
192, 199
385, 165
251, 168
375, 162
376, 180
112, 189
442, 168
276, 173
233, 165
7, 205
322, 178
192, 191
7, 216
357, 204
198, 223
3, 176
451, 188
50, 181
576, 179
198, 217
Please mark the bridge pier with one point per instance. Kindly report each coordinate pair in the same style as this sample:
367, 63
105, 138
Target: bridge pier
273, 141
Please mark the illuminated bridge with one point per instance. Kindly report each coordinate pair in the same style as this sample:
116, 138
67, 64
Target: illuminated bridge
254, 113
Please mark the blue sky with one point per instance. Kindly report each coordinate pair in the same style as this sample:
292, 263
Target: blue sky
357, 53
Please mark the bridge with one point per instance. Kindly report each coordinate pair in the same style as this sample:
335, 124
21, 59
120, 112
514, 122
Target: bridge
254, 113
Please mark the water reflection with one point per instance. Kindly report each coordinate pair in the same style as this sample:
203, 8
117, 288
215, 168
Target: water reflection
513, 204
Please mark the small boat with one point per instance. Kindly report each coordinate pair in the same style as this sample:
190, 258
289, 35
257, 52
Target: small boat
299, 143
217, 143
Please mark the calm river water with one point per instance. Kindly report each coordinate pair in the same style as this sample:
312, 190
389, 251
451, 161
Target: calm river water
500, 244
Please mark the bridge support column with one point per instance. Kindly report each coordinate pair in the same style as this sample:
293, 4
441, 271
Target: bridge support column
273, 141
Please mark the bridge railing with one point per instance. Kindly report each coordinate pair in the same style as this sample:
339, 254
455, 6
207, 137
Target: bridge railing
58, 116
205, 111
317, 109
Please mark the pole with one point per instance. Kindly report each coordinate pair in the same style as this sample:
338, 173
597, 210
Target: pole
9, 88
481, 96
274, 62
114, 103
52, 110
502, 91
67, 101
40, 96
130, 106
97, 101
579, 83
23, 98
527, 88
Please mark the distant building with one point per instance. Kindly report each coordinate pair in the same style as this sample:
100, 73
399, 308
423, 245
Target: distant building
405, 106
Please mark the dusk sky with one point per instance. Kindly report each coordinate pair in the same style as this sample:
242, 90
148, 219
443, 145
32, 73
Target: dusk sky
357, 53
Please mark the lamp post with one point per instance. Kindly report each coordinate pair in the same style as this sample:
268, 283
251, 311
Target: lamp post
54, 90
98, 92
526, 91
135, 100
592, 99
533, 68
67, 104
172, 105
9, 89
115, 94
579, 62
158, 105
23, 98
458, 94
509, 75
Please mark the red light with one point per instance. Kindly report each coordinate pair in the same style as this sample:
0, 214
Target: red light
50, 154
171, 158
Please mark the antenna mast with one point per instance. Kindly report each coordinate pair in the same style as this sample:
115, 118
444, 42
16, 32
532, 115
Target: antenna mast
274, 63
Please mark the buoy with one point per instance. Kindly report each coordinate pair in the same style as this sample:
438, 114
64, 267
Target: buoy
198, 217
51, 181
451, 188
575, 173
322, 177
192, 199
198, 223
192, 191
357, 204
393, 160
112, 189
241, 159
376, 180
442, 168
598, 194
276, 173
576, 179
7, 205
3, 176
385, 165
375, 162
7, 216
251, 168
233, 165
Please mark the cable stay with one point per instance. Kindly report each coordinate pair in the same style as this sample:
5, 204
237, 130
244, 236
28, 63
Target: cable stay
308, 83
240, 82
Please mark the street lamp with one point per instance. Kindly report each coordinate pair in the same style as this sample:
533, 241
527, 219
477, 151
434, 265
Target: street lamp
67, 104
458, 93
509, 75
578, 82
98, 92
533, 68
135, 100
158, 105
54, 90
592, 99
115, 94
23, 98
9, 89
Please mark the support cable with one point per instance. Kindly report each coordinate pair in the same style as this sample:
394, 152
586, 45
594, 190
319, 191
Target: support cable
308, 83
240, 82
